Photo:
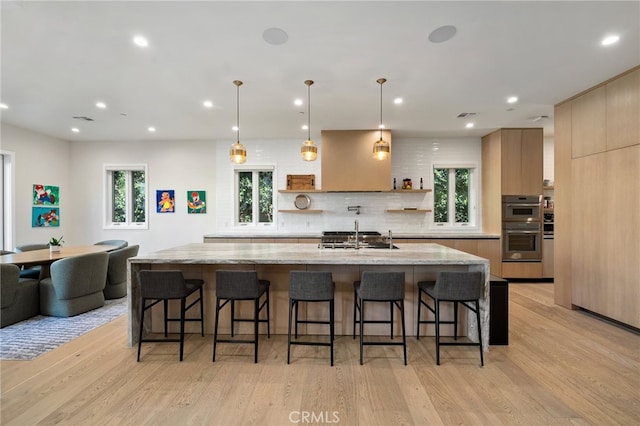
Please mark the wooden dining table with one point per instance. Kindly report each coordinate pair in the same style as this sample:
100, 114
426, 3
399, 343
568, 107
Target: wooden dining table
45, 257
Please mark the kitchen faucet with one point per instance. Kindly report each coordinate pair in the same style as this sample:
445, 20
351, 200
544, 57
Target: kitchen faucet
357, 243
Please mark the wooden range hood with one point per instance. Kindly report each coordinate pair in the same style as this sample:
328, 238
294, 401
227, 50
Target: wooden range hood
348, 163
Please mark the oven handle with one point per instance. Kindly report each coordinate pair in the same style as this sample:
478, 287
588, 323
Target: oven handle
521, 232
523, 204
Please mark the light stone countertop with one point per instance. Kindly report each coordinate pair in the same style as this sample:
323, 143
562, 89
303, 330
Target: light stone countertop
310, 254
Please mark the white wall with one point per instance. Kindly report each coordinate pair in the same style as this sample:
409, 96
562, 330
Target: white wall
78, 168
39, 159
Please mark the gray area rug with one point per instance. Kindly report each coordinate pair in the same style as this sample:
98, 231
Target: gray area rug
31, 338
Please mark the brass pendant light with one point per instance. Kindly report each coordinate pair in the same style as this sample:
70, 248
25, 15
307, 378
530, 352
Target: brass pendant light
309, 150
381, 148
238, 153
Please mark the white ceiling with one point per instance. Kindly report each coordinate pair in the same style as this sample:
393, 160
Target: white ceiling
60, 58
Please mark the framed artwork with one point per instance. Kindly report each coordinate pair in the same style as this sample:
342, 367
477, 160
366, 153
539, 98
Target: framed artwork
46, 195
45, 217
165, 201
196, 202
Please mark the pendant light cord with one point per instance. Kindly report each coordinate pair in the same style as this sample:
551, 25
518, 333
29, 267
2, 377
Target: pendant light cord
238, 83
381, 81
309, 111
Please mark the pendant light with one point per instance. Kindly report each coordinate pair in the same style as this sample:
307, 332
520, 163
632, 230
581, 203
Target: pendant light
238, 153
309, 150
381, 148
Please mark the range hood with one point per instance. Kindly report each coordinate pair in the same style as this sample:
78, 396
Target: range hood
348, 163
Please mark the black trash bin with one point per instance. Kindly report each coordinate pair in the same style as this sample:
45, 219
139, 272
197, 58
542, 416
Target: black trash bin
499, 311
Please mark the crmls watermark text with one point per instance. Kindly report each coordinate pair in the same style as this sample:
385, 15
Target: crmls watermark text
310, 417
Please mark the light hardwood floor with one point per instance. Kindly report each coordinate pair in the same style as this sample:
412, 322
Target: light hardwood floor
561, 367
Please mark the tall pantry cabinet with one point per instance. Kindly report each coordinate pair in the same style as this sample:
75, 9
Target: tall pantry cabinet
597, 194
512, 164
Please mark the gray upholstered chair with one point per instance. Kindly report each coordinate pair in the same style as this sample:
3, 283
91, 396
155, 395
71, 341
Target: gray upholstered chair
19, 296
310, 286
118, 243
232, 286
116, 286
385, 287
31, 271
463, 288
76, 285
162, 286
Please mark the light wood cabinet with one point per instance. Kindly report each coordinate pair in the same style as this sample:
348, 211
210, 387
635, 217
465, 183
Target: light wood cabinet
623, 111
597, 192
547, 258
588, 123
520, 161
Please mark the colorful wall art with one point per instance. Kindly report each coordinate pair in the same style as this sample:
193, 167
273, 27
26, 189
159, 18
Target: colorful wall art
196, 202
165, 200
45, 217
46, 195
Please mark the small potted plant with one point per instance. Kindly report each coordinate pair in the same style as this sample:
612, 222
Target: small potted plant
55, 244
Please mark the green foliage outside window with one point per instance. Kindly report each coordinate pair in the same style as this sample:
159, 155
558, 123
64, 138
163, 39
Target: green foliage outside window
245, 197
265, 197
139, 191
119, 197
138, 207
444, 195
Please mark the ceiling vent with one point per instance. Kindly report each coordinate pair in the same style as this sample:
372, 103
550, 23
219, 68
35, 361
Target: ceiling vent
539, 118
82, 118
466, 114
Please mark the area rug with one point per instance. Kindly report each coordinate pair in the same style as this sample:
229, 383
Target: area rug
31, 338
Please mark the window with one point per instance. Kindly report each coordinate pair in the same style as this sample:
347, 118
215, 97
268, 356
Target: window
254, 196
126, 197
454, 196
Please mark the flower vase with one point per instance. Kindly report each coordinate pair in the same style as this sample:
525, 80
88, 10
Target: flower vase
54, 249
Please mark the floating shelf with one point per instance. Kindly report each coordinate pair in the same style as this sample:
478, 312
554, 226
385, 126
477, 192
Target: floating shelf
300, 211
408, 211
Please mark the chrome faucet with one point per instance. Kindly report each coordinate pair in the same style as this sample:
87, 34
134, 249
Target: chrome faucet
357, 238
390, 239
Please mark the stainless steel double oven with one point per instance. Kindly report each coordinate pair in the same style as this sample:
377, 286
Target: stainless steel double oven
522, 228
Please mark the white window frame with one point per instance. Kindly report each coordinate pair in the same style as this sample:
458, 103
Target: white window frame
256, 211
8, 197
108, 197
474, 213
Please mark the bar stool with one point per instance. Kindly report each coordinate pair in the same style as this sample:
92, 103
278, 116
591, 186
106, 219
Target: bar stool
457, 287
310, 286
162, 286
232, 286
379, 287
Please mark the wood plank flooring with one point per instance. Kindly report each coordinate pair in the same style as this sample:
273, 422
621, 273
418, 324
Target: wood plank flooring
561, 367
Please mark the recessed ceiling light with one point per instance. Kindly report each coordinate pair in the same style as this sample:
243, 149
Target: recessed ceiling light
207, 104
75, 130
101, 105
151, 129
381, 126
235, 128
140, 41
442, 34
275, 36
4, 106
297, 102
469, 125
512, 99
398, 101
609, 40
305, 127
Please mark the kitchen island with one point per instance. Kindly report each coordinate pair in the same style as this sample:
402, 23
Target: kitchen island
274, 261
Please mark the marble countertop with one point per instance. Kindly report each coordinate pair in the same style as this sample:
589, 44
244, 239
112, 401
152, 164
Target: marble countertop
441, 235
309, 254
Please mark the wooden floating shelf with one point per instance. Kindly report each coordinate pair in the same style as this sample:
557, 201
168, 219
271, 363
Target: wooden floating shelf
300, 211
408, 211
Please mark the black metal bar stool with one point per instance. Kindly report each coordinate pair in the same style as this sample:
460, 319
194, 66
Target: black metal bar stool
379, 287
232, 286
162, 286
310, 286
462, 288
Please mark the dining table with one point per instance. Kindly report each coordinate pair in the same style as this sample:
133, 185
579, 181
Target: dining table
45, 257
